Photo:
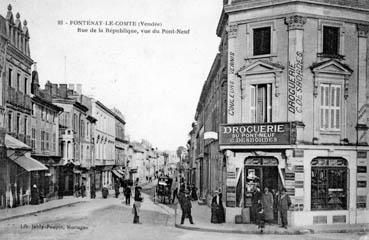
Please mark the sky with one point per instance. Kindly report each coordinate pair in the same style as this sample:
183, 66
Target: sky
154, 79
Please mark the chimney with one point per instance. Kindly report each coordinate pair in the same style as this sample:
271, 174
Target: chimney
54, 90
48, 87
79, 89
63, 90
71, 87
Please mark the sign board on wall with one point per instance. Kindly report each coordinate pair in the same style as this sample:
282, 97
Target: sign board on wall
256, 134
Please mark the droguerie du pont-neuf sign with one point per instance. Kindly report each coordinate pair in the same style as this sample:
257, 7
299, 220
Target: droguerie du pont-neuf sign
251, 134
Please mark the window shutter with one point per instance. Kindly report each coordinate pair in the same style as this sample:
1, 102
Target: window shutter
252, 104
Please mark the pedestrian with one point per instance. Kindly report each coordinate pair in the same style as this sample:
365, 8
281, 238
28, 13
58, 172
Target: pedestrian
260, 216
76, 190
267, 201
116, 189
137, 205
221, 211
186, 207
284, 202
194, 193
93, 191
214, 208
35, 196
127, 194
256, 197
275, 194
83, 190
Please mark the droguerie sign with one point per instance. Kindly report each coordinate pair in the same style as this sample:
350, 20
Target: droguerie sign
250, 134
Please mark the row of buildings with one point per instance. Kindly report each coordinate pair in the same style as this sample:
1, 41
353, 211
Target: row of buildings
55, 137
285, 104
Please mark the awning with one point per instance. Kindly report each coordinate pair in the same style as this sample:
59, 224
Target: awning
13, 143
116, 173
120, 171
28, 163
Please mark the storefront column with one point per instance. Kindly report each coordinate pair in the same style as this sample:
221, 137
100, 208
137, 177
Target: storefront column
362, 89
295, 67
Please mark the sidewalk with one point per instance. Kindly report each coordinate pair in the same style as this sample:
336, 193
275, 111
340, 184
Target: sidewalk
201, 216
11, 213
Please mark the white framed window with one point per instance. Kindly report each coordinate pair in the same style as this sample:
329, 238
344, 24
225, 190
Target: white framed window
330, 106
261, 103
260, 39
331, 39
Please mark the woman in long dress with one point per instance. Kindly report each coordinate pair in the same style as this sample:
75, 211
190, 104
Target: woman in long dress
267, 202
214, 209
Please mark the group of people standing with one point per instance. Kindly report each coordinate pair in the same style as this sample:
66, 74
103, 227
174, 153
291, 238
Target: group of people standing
267, 205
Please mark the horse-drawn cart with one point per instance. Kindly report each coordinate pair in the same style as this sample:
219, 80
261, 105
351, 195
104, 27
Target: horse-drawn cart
163, 190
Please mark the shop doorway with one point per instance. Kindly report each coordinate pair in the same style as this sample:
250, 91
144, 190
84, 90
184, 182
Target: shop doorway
261, 172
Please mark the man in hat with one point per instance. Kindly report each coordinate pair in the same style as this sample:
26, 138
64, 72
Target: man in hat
186, 207
284, 202
137, 205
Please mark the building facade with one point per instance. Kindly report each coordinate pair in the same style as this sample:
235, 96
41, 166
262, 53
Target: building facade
45, 136
294, 115
104, 136
18, 170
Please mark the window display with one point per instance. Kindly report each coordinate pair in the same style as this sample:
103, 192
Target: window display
328, 184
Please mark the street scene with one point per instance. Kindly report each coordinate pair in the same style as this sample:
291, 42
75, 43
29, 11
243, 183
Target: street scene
225, 119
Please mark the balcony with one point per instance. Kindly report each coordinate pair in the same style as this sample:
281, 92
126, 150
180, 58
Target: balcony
18, 99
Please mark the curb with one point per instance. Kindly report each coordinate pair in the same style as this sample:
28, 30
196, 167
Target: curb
294, 232
40, 211
298, 232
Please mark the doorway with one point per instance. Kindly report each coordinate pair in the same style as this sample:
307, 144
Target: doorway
261, 172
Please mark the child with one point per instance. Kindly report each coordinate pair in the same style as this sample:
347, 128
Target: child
260, 216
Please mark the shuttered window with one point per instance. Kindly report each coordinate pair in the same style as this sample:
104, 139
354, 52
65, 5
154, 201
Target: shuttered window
330, 107
261, 103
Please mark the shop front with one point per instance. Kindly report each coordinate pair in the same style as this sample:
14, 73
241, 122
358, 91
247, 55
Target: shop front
324, 182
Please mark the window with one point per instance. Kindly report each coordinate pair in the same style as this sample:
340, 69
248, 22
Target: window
10, 77
25, 126
33, 138
25, 85
54, 142
9, 122
331, 40
42, 140
262, 41
330, 106
47, 141
17, 130
261, 103
328, 184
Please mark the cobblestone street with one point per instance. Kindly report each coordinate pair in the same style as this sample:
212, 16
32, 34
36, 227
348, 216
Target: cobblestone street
110, 219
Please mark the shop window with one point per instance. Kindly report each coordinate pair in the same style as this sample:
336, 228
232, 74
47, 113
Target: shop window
328, 184
262, 40
330, 106
261, 103
331, 37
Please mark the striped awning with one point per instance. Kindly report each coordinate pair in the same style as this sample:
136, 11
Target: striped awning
28, 163
116, 173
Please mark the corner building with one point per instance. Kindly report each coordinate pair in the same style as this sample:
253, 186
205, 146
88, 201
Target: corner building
296, 112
